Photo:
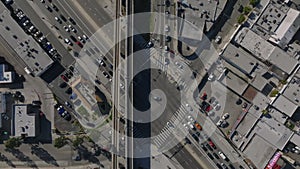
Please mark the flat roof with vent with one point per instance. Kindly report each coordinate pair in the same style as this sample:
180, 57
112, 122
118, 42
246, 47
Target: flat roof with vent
5, 76
23, 123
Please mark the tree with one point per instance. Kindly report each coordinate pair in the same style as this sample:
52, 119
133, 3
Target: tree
78, 141
274, 93
13, 142
60, 142
247, 10
265, 112
254, 2
241, 19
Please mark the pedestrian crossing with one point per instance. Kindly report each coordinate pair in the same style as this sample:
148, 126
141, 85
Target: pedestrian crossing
163, 139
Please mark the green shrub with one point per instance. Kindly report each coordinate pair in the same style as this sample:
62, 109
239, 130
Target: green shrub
274, 93
247, 10
13, 142
241, 19
60, 142
254, 2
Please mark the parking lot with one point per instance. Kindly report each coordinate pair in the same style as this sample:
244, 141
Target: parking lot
218, 101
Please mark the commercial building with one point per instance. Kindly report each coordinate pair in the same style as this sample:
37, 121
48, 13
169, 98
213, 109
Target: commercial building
287, 29
15, 36
285, 106
24, 122
283, 64
5, 75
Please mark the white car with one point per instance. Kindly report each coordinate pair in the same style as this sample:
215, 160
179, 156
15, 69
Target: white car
72, 28
66, 29
81, 39
186, 126
85, 37
167, 29
211, 77
189, 107
218, 39
191, 118
67, 41
58, 20
219, 123
157, 98
225, 116
190, 124
122, 86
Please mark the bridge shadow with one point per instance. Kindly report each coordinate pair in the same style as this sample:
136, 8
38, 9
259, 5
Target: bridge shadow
8, 162
43, 155
22, 157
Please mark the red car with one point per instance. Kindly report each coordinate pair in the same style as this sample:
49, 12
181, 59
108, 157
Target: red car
212, 144
79, 44
204, 96
64, 78
209, 108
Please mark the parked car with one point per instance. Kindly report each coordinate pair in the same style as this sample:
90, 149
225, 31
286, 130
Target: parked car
216, 156
210, 156
218, 39
198, 126
225, 116
67, 41
212, 144
72, 20
72, 28
64, 78
63, 18
203, 147
48, 8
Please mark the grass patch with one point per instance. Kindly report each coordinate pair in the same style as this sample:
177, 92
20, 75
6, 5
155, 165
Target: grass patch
241, 19
81, 110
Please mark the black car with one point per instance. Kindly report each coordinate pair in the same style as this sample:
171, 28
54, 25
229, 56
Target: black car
210, 156
211, 100
208, 147
168, 38
48, 8
231, 166
73, 38
216, 156
203, 147
63, 85
72, 20
110, 72
167, 3
195, 137
244, 105
69, 90
219, 166
54, 7
63, 18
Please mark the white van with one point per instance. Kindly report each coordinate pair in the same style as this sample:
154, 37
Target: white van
28, 70
222, 155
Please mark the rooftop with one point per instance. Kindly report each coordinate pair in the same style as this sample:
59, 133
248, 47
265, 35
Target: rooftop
239, 58
283, 60
254, 43
296, 139
292, 90
285, 105
5, 76
271, 18
259, 158
23, 123
265, 50
38, 61
233, 82
287, 29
